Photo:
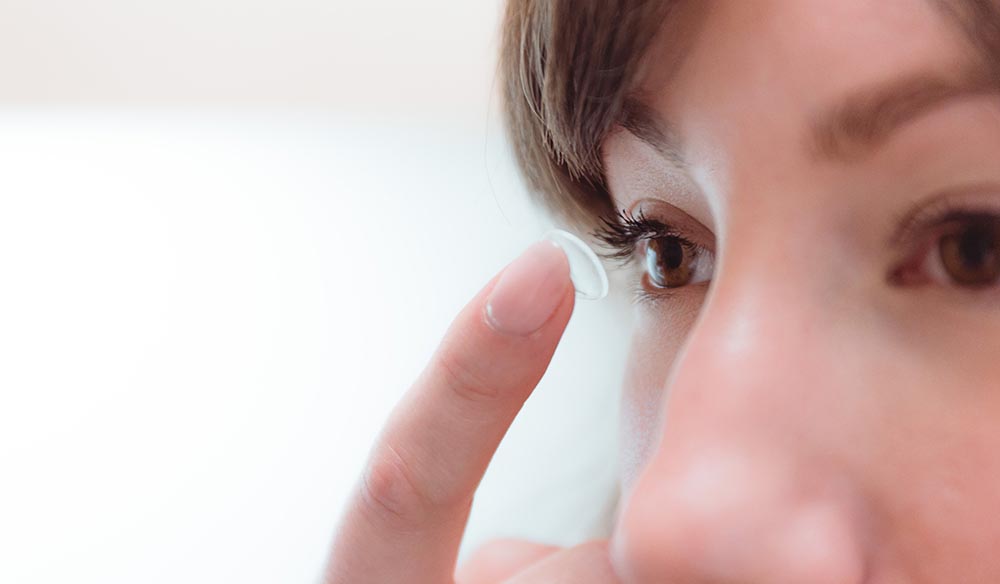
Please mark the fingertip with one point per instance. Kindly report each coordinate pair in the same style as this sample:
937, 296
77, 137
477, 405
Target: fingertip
530, 290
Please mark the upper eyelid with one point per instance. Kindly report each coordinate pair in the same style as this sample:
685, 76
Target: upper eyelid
948, 206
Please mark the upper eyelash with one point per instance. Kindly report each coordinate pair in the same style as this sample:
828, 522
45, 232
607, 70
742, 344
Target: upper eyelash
623, 233
940, 210
944, 215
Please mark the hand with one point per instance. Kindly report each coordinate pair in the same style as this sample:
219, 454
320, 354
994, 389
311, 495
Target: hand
405, 520
521, 562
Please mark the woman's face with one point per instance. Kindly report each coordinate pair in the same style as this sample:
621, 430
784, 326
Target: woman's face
813, 392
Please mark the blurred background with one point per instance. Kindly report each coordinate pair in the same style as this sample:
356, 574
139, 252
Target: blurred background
231, 234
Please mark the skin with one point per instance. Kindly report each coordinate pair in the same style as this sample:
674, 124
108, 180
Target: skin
803, 419
800, 417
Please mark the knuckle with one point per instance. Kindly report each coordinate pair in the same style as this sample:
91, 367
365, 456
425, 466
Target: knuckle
498, 560
593, 547
491, 552
464, 380
390, 492
484, 564
595, 555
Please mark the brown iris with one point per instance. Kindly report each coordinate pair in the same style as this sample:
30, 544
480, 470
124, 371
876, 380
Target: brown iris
970, 255
670, 262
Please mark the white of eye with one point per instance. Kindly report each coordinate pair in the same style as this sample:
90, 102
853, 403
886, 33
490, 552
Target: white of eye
933, 267
703, 266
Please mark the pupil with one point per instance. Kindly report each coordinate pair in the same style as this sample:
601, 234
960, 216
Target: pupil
971, 257
977, 247
673, 255
668, 263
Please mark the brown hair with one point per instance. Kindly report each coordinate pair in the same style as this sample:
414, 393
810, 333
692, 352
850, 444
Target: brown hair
566, 68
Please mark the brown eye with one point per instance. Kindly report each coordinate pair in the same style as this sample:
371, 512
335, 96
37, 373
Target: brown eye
672, 262
970, 255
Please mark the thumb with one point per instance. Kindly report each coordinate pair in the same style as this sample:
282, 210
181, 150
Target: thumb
500, 559
587, 563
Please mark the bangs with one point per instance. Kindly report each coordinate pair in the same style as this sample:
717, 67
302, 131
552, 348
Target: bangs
566, 68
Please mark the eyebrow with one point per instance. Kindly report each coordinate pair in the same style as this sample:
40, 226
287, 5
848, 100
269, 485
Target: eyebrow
862, 121
845, 132
643, 123
866, 119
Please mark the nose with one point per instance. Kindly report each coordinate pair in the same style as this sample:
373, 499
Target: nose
747, 483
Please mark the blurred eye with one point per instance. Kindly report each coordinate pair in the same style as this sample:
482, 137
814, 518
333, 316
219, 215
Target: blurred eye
967, 254
673, 262
962, 251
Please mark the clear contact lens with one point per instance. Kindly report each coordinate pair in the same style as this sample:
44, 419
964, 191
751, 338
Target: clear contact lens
585, 268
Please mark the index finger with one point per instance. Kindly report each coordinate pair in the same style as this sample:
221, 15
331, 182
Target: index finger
406, 519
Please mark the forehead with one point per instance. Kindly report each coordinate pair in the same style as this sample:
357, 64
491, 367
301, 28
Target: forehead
731, 54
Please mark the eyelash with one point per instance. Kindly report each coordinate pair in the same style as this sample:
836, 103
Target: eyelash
625, 233
939, 213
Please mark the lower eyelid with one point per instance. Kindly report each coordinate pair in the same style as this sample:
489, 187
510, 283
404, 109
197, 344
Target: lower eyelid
653, 296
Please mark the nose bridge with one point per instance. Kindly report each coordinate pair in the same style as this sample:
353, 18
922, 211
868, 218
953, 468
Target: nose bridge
739, 488
760, 353
758, 372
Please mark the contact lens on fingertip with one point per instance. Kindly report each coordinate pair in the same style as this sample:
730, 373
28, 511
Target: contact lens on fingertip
585, 268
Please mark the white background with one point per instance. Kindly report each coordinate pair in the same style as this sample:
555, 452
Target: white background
231, 233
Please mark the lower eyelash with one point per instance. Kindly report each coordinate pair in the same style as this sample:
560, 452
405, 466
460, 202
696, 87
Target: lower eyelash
643, 296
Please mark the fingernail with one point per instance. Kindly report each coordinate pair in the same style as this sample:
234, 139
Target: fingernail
529, 290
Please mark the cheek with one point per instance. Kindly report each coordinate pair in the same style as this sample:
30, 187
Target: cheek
659, 335
933, 470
